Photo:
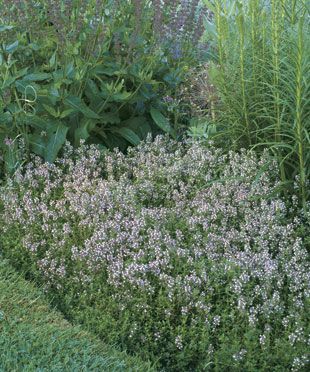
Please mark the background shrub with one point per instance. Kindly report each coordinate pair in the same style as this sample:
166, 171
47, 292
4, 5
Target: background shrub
92, 70
197, 267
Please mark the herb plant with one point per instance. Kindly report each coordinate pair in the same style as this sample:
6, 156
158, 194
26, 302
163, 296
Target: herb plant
196, 267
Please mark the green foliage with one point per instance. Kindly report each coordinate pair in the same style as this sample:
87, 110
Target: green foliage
262, 77
34, 337
201, 129
94, 76
177, 252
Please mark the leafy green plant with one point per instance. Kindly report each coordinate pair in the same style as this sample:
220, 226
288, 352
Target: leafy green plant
262, 78
75, 71
201, 129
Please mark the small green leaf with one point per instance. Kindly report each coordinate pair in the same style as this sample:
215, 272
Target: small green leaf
39, 76
52, 60
160, 120
53, 95
34, 46
66, 113
6, 118
5, 28
129, 135
91, 86
139, 125
69, 71
110, 118
37, 143
121, 96
55, 142
8, 82
79, 105
210, 27
82, 132
12, 47
51, 110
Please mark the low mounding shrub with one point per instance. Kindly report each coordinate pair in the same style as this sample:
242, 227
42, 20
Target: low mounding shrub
177, 252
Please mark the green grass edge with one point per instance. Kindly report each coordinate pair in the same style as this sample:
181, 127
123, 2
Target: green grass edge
35, 337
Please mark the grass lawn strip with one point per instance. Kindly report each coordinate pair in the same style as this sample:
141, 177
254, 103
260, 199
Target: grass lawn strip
33, 337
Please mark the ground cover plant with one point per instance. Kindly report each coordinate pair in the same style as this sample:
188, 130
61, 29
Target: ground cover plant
176, 251
33, 337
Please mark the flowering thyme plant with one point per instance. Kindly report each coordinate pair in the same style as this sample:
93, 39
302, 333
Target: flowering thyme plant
175, 251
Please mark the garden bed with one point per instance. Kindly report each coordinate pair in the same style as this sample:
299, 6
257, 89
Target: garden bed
177, 252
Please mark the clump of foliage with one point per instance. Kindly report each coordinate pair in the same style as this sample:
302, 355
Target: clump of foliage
175, 251
262, 75
91, 70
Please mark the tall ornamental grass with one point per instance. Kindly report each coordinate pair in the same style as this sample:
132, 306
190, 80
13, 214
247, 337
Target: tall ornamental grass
262, 76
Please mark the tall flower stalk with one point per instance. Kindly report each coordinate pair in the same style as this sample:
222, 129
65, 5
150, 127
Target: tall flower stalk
263, 83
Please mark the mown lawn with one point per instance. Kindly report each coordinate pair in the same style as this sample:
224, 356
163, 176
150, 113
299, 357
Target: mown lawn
34, 337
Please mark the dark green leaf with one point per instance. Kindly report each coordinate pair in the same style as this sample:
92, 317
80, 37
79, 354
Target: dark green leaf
79, 105
110, 118
5, 118
105, 70
52, 60
37, 143
21, 72
129, 135
55, 142
82, 132
23, 85
39, 76
69, 71
8, 82
160, 120
139, 125
66, 113
51, 110
39, 123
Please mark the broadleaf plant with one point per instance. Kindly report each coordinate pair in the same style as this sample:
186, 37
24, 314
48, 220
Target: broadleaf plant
89, 69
